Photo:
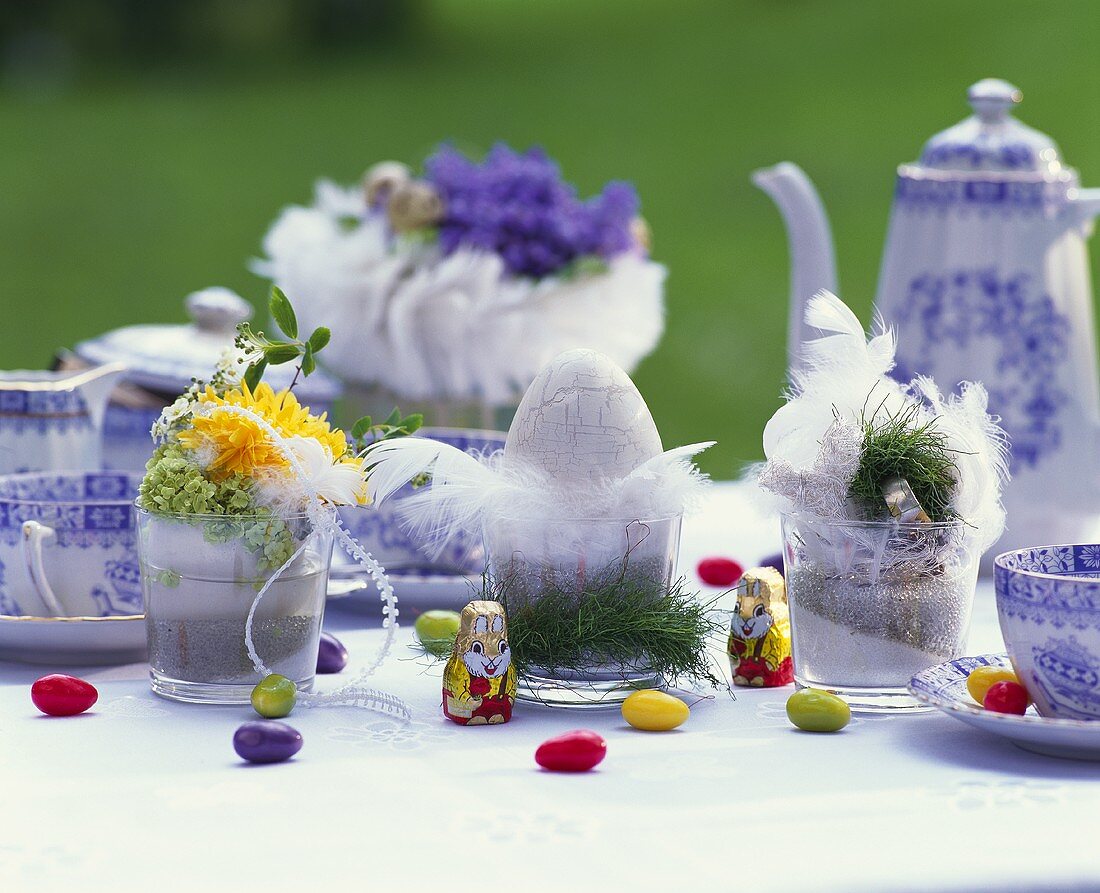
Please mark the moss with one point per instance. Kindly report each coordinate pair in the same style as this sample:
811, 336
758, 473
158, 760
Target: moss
901, 446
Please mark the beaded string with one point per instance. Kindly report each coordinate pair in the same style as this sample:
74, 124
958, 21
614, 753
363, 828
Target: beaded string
324, 518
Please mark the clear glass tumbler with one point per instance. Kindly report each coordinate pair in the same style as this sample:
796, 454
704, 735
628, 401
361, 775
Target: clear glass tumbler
200, 575
873, 603
531, 559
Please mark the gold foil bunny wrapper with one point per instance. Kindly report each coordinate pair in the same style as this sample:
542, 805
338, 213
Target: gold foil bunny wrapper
760, 631
479, 682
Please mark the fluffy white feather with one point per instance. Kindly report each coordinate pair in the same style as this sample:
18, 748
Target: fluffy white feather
393, 463
668, 484
821, 490
843, 375
463, 486
980, 448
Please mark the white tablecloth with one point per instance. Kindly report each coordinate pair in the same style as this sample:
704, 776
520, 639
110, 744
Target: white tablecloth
144, 794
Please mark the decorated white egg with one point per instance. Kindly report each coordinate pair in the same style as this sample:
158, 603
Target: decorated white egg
582, 420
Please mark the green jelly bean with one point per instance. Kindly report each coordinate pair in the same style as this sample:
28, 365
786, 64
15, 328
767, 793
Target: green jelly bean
437, 630
274, 698
814, 710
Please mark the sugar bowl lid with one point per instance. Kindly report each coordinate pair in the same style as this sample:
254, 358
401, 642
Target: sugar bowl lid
165, 358
992, 139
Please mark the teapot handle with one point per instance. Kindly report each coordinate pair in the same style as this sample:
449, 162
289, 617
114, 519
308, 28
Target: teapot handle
34, 535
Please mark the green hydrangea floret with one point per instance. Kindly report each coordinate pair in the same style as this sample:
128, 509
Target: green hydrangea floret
174, 484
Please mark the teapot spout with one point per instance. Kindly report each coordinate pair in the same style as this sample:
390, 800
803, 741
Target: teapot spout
1086, 206
813, 261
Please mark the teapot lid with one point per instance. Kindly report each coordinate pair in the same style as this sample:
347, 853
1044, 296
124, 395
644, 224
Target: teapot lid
165, 358
991, 139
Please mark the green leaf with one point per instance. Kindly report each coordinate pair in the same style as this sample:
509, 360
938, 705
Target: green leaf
395, 418
283, 313
360, 429
412, 422
319, 338
308, 363
278, 354
254, 374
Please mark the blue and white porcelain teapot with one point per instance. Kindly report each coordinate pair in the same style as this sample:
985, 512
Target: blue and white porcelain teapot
985, 277
54, 420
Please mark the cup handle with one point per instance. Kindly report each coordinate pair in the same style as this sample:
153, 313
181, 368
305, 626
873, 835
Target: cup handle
34, 535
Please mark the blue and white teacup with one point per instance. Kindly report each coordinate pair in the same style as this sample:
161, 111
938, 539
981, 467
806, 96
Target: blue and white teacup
67, 544
1048, 602
380, 531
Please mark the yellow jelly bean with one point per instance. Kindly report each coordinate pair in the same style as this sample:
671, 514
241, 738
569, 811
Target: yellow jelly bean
654, 711
814, 710
983, 678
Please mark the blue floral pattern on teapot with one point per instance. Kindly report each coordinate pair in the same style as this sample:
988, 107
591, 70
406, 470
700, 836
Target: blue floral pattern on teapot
978, 308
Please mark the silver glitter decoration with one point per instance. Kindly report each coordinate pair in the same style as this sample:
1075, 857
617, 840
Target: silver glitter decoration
853, 632
821, 490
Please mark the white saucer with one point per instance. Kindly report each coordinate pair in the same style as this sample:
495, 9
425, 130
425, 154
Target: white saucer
73, 641
944, 687
419, 588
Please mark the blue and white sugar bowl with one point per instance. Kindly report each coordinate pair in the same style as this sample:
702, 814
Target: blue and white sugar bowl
1048, 602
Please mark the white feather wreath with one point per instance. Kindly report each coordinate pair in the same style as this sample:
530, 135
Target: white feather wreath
429, 327
467, 491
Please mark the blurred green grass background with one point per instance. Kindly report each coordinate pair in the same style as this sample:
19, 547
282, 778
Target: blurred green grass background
125, 186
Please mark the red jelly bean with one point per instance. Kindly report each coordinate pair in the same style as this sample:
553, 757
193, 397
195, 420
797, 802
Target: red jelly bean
576, 751
59, 695
719, 571
1006, 697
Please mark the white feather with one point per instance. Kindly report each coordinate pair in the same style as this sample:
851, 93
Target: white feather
845, 380
827, 313
980, 452
843, 376
463, 486
668, 484
393, 463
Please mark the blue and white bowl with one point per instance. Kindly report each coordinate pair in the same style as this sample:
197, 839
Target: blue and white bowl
67, 544
1048, 602
381, 532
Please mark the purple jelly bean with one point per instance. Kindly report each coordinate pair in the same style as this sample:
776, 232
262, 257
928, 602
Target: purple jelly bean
266, 741
775, 561
332, 656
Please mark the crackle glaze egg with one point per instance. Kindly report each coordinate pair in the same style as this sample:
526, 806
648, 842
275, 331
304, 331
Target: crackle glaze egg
582, 419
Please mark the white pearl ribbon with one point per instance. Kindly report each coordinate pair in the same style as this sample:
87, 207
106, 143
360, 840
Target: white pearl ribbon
324, 519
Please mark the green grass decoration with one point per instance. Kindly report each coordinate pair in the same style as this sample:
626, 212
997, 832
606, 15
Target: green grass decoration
899, 446
619, 620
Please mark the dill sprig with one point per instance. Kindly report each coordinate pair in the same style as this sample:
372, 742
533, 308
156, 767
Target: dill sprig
903, 446
616, 620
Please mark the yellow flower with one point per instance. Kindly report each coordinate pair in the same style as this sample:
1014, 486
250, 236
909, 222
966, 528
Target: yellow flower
240, 445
